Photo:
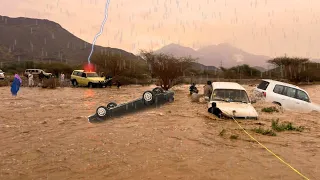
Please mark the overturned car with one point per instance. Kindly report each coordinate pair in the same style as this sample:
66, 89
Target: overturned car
231, 100
153, 98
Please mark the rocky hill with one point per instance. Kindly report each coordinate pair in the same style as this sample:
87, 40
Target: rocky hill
40, 39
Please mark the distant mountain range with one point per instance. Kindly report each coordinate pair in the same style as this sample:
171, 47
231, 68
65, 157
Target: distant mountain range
215, 55
38, 39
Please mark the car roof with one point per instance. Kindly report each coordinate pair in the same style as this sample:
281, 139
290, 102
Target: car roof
282, 83
226, 85
85, 71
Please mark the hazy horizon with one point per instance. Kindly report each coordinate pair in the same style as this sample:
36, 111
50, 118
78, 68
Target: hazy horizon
262, 27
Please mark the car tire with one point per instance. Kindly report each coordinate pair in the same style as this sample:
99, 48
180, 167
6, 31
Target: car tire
102, 112
157, 90
111, 105
74, 83
278, 106
90, 85
148, 97
276, 103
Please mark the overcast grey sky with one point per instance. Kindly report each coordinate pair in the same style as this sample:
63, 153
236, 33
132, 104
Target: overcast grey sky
266, 27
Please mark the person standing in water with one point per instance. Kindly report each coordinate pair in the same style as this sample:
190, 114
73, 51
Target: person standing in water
15, 86
118, 84
207, 90
30, 80
109, 80
62, 79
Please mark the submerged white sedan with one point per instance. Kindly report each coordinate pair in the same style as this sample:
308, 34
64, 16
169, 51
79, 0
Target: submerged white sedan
232, 99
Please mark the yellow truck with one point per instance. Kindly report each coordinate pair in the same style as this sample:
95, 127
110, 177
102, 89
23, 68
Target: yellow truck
88, 79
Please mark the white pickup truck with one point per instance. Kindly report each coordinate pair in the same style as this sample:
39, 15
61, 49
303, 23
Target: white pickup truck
232, 99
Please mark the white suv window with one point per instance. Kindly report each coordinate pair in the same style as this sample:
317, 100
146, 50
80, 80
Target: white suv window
263, 85
290, 92
278, 89
302, 96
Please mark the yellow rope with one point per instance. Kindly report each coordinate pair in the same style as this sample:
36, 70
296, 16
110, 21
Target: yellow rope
270, 151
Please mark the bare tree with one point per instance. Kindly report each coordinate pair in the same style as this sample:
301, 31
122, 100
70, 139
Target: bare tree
113, 63
166, 67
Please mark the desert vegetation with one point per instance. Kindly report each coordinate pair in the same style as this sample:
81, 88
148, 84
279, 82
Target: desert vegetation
285, 126
267, 132
168, 70
166, 67
270, 109
55, 68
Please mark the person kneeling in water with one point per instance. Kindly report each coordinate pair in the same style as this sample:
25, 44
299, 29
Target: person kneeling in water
214, 110
193, 89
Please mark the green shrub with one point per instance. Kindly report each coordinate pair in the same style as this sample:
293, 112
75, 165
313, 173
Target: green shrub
286, 126
262, 131
270, 109
222, 132
234, 137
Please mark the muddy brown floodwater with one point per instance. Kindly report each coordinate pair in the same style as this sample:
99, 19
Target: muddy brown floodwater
44, 134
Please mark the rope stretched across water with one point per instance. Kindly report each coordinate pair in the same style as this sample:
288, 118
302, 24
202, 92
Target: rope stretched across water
281, 160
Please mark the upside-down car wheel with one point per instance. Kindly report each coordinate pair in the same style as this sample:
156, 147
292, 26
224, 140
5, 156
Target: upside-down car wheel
148, 97
102, 111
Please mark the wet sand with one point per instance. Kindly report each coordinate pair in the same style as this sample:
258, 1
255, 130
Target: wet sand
44, 134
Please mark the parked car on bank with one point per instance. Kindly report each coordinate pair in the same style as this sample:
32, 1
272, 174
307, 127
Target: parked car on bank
2, 76
37, 72
288, 96
232, 99
89, 79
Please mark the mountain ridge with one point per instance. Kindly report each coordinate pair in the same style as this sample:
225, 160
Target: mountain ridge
215, 55
42, 39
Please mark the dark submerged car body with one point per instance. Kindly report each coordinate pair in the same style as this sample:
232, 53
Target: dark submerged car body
149, 99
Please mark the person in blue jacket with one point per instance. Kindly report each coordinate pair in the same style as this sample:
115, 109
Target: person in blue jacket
15, 86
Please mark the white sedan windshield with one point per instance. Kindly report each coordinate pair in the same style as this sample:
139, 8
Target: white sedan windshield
230, 95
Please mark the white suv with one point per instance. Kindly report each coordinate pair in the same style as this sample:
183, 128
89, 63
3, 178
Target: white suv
1, 74
288, 96
36, 72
